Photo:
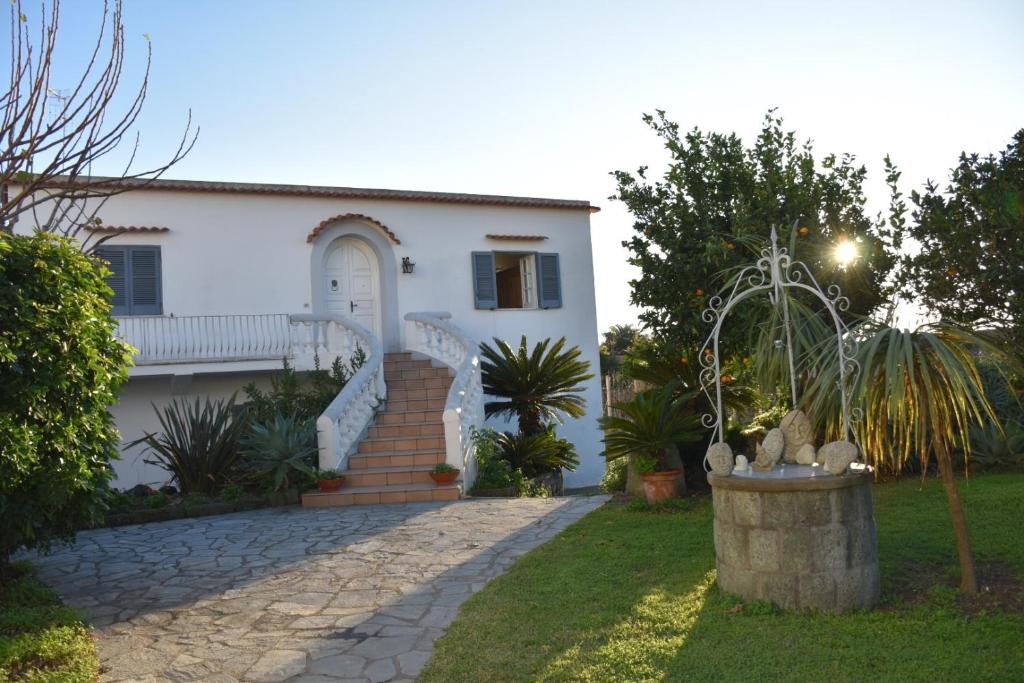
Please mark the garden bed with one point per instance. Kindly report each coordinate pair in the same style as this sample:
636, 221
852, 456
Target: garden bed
184, 510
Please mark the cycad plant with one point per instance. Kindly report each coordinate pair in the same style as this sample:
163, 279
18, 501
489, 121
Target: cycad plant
920, 392
651, 423
537, 454
535, 386
198, 443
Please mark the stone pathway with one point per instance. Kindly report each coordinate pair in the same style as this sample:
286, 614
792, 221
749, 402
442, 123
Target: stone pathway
333, 594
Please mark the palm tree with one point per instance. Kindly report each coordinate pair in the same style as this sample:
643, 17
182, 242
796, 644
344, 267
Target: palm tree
920, 392
537, 386
650, 424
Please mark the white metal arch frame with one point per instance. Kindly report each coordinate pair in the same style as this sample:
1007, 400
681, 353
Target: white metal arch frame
772, 273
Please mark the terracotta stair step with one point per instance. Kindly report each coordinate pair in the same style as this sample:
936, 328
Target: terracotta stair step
373, 495
399, 355
435, 404
427, 383
389, 476
391, 444
422, 394
407, 431
406, 417
360, 461
417, 373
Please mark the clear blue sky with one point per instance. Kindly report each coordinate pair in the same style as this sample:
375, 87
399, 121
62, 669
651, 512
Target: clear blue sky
545, 98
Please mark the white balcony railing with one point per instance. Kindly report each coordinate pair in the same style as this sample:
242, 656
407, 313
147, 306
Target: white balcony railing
207, 338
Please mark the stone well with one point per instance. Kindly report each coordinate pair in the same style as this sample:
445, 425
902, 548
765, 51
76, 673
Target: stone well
797, 537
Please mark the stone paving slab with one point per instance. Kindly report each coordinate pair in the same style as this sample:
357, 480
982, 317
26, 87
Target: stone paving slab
293, 594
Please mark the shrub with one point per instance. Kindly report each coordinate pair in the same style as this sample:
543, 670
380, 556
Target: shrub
198, 443
304, 397
60, 368
157, 501
493, 472
232, 493
444, 468
280, 452
537, 454
614, 479
992, 448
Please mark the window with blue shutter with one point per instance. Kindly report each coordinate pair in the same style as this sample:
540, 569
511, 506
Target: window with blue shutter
135, 278
549, 281
485, 285
516, 280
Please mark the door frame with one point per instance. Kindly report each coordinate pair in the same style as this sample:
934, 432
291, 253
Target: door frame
379, 245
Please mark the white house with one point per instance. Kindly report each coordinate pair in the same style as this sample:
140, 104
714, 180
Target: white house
216, 282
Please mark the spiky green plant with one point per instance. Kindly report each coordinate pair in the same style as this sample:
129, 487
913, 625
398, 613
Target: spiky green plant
920, 392
536, 386
280, 451
651, 423
198, 442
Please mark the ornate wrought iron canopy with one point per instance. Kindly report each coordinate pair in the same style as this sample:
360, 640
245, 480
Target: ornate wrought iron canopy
774, 272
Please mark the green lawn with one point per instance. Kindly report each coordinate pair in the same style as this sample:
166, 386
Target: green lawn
42, 639
625, 595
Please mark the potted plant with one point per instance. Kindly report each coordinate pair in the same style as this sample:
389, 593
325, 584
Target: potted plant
443, 473
645, 429
329, 480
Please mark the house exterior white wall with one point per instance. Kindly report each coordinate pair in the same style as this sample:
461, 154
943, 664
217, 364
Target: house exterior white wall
228, 253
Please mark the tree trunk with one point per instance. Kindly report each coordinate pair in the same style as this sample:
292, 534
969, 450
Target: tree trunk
674, 462
634, 480
968, 578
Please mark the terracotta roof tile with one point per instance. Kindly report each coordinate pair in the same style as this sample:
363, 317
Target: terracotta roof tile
518, 238
127, 228
347, 193
357, 216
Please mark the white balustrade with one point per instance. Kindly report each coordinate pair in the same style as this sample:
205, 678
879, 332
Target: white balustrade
430, 334
206, 338
344, 422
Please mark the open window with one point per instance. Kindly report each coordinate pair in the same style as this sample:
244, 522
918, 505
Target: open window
516, 280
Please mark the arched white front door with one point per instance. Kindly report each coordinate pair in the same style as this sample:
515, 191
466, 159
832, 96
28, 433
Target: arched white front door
352, 282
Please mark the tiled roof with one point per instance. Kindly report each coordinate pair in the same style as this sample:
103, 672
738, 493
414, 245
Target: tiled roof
345, 193
127, 228
518, 238
358, 216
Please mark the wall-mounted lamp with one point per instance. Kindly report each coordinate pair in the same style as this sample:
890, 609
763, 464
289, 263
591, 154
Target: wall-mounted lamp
407, 265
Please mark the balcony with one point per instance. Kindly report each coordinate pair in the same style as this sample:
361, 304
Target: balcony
226, 343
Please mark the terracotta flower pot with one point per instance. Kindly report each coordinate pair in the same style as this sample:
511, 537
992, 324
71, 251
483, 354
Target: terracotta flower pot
328, 485
444, 477
659, 486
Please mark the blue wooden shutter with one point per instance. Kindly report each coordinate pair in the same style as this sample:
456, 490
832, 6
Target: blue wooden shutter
549, 281
145, 292
485, 282
117, 262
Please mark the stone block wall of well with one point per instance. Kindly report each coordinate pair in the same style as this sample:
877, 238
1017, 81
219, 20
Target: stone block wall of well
799, 549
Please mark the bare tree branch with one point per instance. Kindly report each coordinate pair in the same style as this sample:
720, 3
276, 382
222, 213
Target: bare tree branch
47, 151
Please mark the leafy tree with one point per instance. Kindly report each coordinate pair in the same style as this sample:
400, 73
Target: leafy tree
617, 340
60, 369
713, 209
970, 265
536, 386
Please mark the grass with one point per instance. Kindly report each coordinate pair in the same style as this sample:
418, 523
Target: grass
628, 594
40, 638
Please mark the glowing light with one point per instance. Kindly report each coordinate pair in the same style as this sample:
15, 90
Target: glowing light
845, 252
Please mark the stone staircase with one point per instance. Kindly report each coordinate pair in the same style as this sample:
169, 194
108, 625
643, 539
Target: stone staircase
404, 443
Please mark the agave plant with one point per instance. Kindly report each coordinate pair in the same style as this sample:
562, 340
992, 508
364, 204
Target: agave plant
920, 392
536, 386
651, 423
994, 446
537, 454
280, 451
198, 443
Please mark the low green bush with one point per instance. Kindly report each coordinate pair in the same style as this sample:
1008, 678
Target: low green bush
60, 368
232, 493
156, 501
304, 396
614, 479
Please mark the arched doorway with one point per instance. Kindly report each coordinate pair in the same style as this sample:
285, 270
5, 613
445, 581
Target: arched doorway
352, 282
